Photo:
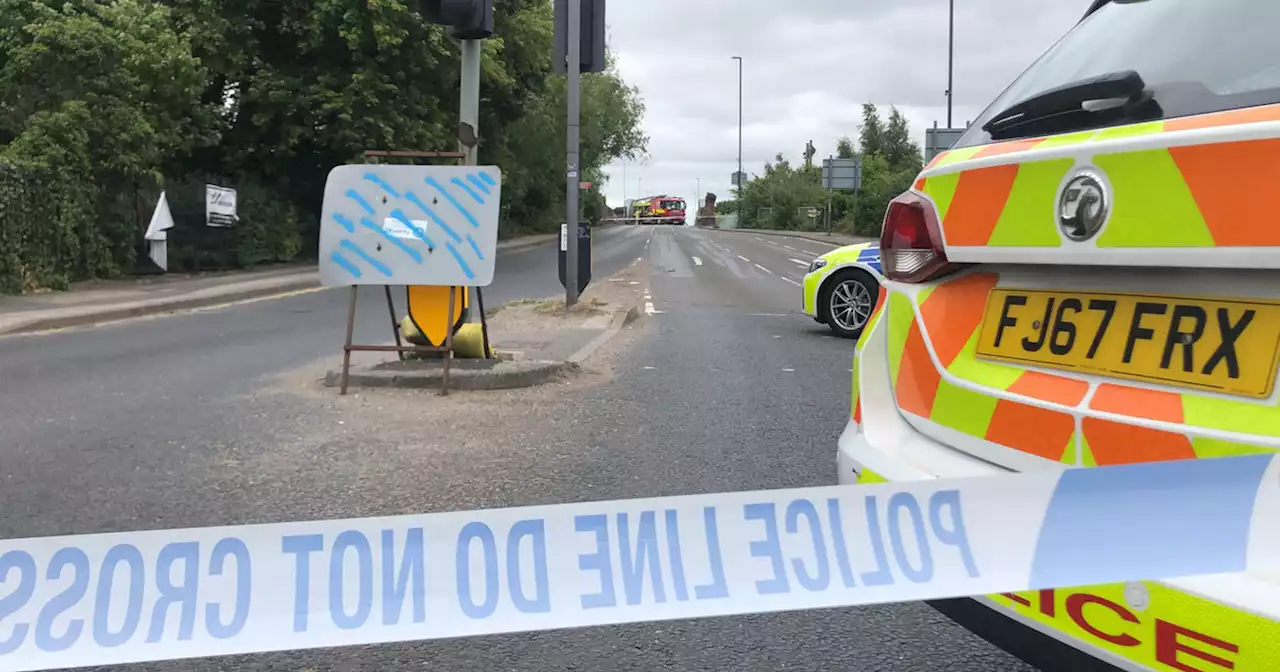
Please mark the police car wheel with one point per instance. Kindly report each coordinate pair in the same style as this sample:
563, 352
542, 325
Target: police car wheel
847, 301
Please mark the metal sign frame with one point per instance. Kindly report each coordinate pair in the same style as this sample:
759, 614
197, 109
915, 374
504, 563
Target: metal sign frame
842, 174
400, 348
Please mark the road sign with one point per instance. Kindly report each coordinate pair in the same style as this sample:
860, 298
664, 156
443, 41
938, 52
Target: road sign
842, 174
584, 185
584, 254
410, 225
738, 179
939, 140
812, 212
429, 311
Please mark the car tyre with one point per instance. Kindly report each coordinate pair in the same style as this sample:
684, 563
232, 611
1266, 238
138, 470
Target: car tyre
847, 301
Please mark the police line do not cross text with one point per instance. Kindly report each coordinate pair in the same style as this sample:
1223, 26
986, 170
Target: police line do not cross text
128, 597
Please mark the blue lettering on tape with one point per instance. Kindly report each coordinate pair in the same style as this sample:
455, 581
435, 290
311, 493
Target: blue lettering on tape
599, 561
409, 581
646, 553
477, 531
302, 546
128, 558
25, 566
679, 584
78, 562
181, 594
837, 540
718, 589
820, 578
339, 587
882, 576
234, 549
898, 503
770, 547
110, 599
536, 532
952, 531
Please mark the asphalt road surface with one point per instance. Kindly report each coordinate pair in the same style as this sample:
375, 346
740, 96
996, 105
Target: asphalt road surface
165, 423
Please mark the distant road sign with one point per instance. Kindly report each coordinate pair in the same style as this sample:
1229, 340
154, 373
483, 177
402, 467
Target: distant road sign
739, 179
584, 185
842, 174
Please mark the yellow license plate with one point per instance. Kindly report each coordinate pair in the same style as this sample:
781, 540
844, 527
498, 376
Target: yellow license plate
1224, 345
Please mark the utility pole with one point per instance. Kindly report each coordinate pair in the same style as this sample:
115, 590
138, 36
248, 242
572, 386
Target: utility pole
951, 57
571, 162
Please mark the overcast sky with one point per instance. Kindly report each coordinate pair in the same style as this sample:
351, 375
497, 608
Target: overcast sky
809, 65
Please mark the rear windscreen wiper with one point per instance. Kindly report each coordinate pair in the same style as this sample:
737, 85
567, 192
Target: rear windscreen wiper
1064, 108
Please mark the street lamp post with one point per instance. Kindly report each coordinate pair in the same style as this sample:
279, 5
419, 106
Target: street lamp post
951, 57
739, 175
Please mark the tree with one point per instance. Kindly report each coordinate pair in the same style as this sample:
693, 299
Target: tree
775, 199
112, 101
93, 99
844, 148
872, 133
890, 161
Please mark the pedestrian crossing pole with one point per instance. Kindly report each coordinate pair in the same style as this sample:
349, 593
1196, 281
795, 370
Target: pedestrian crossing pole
571, 179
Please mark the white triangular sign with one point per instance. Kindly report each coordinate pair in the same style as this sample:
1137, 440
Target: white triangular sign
161, 220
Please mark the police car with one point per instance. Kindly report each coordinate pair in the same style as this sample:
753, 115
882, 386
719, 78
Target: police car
1091, 277
841, 287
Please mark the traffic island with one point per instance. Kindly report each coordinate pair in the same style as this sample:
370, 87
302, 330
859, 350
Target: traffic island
535, 342
464, 374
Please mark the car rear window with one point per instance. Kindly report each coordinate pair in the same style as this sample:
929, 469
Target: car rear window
1195, 56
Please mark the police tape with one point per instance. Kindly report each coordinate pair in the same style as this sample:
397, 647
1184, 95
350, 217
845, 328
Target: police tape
141, 596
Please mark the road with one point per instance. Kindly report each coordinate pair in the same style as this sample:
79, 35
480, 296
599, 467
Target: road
170, 423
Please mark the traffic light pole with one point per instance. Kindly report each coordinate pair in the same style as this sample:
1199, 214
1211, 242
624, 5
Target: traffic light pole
572, 178
469, 109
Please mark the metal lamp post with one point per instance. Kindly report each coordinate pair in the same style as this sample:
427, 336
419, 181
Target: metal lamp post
951, 56
739, 175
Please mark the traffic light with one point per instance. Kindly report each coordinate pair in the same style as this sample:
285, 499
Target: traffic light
592, 37
469, 19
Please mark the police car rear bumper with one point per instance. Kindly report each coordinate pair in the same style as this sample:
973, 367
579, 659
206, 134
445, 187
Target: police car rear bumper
885, 447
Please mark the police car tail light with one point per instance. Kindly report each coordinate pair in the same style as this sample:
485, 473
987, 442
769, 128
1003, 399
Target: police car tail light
911, 241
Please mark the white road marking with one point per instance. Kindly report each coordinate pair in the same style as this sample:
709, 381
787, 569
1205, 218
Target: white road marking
649, 309
791, 248
764, 269
648, 368
759, 238
697, 261
786, 279
788, 370
634, 282
802, 263
744, 258
777, 335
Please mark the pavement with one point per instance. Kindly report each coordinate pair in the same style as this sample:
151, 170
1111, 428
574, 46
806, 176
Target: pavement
217, 417
98, 301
